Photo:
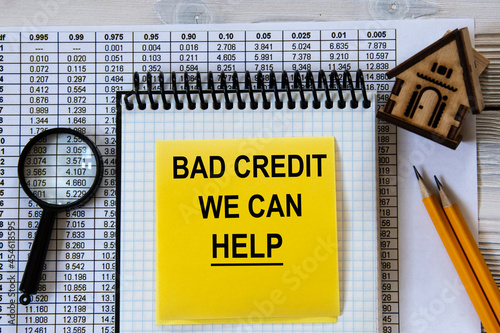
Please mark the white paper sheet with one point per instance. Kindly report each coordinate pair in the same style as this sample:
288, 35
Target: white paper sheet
431, 296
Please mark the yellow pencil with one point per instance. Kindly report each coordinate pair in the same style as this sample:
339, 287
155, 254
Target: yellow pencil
471, 250
458, 258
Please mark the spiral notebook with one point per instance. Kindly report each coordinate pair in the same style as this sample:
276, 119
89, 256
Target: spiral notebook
209, 114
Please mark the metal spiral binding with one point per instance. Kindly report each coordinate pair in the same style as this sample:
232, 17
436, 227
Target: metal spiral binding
326, 83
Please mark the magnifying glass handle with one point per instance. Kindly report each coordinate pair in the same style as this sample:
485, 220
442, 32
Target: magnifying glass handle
36, 260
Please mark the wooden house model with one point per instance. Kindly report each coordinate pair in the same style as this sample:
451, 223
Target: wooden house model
436, 88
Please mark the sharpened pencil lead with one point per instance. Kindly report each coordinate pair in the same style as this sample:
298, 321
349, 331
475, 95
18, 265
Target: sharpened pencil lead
423, 189
445, 201
417, 173
438, 183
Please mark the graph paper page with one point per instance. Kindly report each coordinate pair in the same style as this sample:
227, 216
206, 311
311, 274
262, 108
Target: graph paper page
354, 132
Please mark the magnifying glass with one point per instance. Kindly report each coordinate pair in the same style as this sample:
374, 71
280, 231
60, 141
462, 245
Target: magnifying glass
59, 169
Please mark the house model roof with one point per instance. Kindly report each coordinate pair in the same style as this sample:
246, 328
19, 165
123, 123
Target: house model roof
467, 56
436, 88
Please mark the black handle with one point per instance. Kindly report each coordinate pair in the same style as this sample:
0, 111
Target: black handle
34, 266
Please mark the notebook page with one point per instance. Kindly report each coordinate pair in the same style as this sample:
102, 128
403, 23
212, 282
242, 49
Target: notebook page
354, 132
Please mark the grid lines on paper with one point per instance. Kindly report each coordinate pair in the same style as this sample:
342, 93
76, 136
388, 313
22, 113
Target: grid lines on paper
354, 132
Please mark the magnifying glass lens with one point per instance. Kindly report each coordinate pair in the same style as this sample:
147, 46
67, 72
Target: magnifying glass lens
60, 169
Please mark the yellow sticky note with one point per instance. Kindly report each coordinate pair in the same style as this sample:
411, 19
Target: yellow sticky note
246, 231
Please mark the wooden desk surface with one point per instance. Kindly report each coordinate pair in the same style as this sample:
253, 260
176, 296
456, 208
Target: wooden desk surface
485, 13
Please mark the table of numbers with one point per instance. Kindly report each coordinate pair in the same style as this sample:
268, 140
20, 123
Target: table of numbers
68, 77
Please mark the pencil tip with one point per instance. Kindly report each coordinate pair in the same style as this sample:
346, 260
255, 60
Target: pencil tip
424, 191
438, 183
417, 173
